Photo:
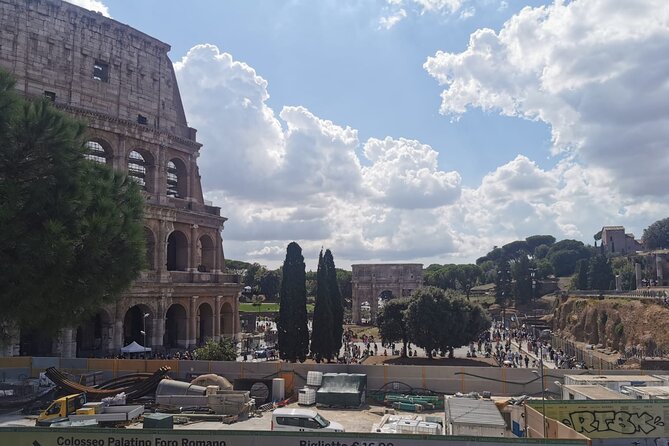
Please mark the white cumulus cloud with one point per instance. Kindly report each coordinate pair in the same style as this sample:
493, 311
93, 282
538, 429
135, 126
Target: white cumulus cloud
594, 70
387, 22
404, 174
297, 176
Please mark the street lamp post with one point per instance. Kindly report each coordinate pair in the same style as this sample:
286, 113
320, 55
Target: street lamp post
144, 333
503, 310
543, 389
504, 282
533, 272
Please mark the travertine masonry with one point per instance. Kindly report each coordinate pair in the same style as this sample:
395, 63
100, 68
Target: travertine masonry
122, 83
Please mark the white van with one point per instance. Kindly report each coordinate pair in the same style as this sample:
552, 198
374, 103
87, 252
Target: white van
302, 420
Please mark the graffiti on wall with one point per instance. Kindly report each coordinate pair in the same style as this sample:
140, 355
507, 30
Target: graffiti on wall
612, 419
622, 422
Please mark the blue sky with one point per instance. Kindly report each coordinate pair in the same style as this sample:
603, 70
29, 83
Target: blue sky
332, 57
419, 130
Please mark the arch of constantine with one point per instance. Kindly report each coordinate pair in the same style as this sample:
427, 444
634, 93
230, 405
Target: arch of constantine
371, 281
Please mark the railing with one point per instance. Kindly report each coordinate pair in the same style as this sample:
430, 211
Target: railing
148, 276
190, 277
647, 293
213, 210
229, 278
199, 277
181, 276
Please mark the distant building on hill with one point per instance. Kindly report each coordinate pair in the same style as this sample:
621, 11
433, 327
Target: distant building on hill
616, 242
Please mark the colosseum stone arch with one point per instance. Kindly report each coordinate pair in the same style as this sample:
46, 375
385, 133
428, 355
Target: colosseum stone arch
371, 280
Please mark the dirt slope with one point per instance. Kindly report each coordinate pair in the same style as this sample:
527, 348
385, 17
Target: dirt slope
619, 324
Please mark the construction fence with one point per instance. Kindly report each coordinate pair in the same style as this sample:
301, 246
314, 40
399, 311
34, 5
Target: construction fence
501, 381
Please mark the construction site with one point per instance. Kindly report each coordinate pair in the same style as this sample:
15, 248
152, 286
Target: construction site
242, 403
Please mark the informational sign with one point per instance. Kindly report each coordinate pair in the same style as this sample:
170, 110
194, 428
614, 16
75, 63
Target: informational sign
154, 437
612, 419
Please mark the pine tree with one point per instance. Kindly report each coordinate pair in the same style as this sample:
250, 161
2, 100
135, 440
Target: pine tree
336, 303
72, 231
292, 326
321, 334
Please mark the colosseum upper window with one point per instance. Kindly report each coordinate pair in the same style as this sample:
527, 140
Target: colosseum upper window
176, 179
172, 180
137, 168
95, 152
101, 71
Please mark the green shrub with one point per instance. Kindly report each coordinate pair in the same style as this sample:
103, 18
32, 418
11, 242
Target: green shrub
222, 350
619, 329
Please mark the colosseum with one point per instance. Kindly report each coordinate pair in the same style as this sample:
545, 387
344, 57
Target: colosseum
122, 83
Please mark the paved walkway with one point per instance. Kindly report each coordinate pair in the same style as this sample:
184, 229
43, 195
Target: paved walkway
547, 362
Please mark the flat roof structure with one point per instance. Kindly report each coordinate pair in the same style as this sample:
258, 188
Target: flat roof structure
593, 392
471, 411
603, 379
648, 392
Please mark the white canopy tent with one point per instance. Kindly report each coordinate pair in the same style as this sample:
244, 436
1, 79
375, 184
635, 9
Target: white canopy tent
134, 347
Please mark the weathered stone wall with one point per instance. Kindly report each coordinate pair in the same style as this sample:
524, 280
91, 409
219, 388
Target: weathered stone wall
53, 46
131, 102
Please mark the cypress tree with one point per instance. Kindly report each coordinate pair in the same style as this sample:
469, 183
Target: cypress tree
292, 327
321, 334
581, 279
336, 303
600, 274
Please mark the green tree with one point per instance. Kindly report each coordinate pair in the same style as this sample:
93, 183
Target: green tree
580, 280
345, 283
392, 323
516, 249
534, 241
544, 268
600, 274
564, 254
321, 333
72, 234
624, 267
495, 255
270, 283
236, 265
252, 275
311, 283
336, 303
488, 271
656, 236
426, 317
221, 350
293, 332
467, 276
472, 320
565, 244
439, 321
540, 252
